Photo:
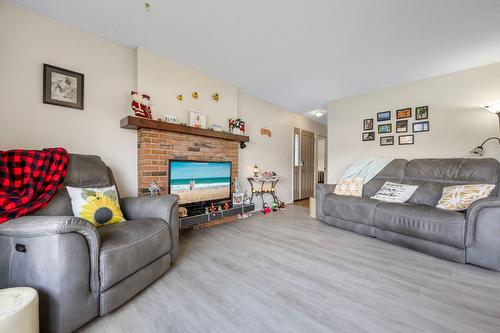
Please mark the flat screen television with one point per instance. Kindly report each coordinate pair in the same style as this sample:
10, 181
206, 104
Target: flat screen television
199, 181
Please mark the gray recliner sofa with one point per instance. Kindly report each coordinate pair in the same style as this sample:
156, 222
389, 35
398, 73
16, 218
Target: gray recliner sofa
80, 271
466, 237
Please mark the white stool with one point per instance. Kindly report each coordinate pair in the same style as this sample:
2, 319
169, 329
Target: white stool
19, 310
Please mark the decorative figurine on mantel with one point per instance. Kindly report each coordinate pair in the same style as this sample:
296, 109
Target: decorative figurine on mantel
237, 126
154, 189
141, 105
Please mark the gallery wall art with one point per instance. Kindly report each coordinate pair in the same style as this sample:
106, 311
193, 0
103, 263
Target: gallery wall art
408, 119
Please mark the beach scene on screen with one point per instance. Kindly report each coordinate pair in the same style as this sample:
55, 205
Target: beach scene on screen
200, 181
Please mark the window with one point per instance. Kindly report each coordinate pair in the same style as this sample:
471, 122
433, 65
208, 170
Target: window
296, 150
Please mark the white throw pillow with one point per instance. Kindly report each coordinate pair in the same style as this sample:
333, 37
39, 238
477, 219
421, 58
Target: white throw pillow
394, 192
350, 186
460, 197
99, 206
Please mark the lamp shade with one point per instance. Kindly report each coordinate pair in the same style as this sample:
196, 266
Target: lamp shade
493, 108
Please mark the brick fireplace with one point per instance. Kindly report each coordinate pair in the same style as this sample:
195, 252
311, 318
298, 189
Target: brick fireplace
157, 147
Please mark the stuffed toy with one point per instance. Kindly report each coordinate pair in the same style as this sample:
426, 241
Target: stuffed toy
141, 105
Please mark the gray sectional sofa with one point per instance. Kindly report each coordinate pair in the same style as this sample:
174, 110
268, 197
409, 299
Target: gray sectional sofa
465, 237
79, 271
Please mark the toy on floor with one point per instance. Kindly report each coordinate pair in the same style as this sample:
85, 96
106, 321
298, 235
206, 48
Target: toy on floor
266, 209
275, 206
281, 205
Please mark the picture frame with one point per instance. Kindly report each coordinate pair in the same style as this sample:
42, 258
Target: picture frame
406, 140
402, 126
422, 112
384, 116
198, 119
387, 140
368, 136
63, 87
422, 126
238, 198
368, 124
384, 128
403, 113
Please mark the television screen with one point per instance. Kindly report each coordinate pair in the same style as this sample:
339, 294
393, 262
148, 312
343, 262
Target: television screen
196, 181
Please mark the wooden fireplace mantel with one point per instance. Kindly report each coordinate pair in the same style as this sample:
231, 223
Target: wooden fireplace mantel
131, 122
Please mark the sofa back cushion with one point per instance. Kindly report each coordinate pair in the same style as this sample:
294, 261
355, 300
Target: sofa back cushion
393, 172
83, 171
432, 175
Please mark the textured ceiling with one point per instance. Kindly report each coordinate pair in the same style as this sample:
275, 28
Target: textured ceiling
299, 54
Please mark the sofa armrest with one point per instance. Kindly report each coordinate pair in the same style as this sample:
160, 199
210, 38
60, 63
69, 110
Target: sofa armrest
322, 190
37, 226
473, 215
165, 207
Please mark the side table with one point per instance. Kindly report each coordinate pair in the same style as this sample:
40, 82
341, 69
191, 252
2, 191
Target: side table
19, 310
260, 191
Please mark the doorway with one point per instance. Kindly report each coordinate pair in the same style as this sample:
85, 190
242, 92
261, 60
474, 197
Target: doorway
322, 154
304, 169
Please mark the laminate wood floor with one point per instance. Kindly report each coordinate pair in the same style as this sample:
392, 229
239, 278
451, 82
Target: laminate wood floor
286, 272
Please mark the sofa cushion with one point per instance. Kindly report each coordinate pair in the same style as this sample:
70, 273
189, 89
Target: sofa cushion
432, 175
424, 222
355, 209
393, 172
129, 246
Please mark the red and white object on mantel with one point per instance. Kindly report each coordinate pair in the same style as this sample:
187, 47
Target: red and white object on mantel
141, 105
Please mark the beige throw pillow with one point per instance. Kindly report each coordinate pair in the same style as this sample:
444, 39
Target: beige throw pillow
460, 197
350, 186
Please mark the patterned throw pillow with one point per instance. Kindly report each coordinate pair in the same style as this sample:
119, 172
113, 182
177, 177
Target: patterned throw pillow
460, 197
99, 206
350, 186
394, 192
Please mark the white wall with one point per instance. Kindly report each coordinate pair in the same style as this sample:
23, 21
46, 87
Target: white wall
273, 153
458, 122
164, 80
27, 41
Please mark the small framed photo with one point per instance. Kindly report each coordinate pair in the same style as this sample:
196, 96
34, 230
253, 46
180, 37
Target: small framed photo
384, 128
401, 126
387, 140
403, 113
369, 136
406, 139
422, 126
62, 87
197, 119
368, 124
422, 112
238, 198
384, 116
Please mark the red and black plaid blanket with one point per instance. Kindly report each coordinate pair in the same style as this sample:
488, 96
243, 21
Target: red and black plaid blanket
29, 179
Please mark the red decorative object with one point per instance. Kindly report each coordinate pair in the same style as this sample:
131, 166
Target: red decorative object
266, 209
213, 209
226, 205
237, 124
141, 105
29, 179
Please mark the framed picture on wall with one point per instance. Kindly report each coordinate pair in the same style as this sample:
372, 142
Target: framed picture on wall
384, 116
422, 126
401, 126
384, 128
403, 113
421, 112
368, 124
369, 136
62, 87
406, 139
387, 140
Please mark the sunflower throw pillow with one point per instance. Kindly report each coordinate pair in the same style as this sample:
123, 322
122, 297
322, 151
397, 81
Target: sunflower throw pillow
99, 206
460, 197
350, 186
